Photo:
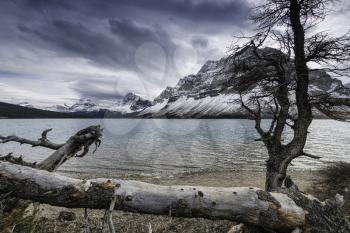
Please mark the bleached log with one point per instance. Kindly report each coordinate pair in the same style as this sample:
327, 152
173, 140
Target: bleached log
245, 204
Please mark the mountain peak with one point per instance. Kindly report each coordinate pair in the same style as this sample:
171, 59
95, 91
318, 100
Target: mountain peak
208, 65
213, 91
136, 102
130, 97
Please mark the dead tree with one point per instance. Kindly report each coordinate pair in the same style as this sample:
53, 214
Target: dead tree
278, 84
282, 211
81, 141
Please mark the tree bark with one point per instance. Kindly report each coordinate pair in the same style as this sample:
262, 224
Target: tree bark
280, 156
275, 174
302, 75
276, 167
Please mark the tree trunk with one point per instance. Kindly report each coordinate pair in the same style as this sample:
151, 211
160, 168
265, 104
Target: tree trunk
282, 211
276, 172
274, 177
276, 165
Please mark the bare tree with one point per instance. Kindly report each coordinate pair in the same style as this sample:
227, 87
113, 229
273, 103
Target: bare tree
278, 83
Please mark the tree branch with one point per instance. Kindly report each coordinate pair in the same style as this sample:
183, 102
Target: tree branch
81, 141
43, 141
310, 155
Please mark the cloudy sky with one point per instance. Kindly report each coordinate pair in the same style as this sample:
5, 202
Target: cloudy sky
56, 51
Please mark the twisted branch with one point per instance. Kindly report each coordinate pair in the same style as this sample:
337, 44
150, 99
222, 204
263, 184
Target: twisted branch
81, 141
43, 141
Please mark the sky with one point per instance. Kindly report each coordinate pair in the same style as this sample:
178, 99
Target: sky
57, 51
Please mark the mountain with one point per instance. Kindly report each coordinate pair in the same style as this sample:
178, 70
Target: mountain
16, 111
213, 91
128, 105
26, 104
135, 102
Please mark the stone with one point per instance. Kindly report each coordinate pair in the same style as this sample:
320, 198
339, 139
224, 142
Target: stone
66, 216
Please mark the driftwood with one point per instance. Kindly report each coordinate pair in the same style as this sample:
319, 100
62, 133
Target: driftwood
43, 141
249, 205
284, 210
81, 141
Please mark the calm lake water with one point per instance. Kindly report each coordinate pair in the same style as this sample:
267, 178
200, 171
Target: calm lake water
164, 147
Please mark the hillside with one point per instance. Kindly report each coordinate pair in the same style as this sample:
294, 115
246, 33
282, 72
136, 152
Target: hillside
15, 111
214, 91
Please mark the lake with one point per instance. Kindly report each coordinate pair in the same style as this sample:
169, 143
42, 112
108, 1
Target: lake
158, 147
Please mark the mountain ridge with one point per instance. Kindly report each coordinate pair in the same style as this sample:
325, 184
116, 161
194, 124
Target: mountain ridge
11, 111
213, 92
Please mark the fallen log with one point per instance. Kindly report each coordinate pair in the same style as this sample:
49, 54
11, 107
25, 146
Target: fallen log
244, 204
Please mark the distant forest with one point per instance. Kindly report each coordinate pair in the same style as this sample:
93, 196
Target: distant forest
15, 111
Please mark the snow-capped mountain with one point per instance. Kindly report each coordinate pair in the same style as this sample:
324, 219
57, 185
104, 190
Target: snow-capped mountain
213, 91
26, 104
135, 102
131, 103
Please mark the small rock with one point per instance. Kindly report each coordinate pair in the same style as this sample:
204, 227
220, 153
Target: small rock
237, 228
66, 216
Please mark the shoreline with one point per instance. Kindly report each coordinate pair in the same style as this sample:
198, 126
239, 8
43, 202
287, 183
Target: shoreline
226, 178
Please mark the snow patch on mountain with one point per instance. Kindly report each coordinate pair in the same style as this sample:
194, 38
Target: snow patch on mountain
129, 104
213, 91
183, 107
25, 104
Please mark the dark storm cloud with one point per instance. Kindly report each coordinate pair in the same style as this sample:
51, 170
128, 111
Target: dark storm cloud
130, 32
233, 11
97, 88
108, 33
114, 50
229, 11
53, 21
6, 74
42, 4
199, 42
76, 39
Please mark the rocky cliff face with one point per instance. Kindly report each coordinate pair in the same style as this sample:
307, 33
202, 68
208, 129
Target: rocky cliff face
135, 102
213, 91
